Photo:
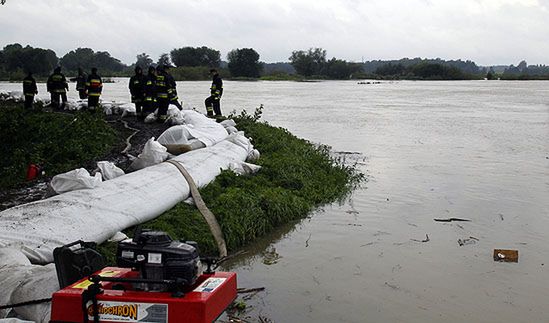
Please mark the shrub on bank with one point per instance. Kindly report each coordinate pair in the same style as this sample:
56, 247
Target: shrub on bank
57, 141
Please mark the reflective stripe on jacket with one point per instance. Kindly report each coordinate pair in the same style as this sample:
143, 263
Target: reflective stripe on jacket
94, 85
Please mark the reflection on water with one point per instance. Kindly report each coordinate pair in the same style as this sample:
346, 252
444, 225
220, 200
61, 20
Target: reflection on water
475, 149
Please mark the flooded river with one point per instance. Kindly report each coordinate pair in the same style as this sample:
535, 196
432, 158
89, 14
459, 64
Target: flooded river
475, 150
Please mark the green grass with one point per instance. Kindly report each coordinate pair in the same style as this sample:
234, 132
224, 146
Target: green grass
58, 141
296, 177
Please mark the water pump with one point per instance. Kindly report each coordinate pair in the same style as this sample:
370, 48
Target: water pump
157, 280
157, 257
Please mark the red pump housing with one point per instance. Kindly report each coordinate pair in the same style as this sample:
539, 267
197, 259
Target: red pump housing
204, 301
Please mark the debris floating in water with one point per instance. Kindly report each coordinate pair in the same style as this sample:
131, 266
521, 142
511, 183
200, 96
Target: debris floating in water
452, 219
424, 240
504, 255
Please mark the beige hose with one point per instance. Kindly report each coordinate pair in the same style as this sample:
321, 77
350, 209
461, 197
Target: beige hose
215, 229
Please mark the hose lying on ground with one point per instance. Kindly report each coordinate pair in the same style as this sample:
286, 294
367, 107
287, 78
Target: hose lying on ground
206, 213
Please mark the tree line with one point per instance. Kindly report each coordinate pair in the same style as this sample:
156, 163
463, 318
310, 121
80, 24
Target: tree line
194, 63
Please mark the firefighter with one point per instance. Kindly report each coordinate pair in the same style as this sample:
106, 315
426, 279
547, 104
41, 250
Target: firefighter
137, 83
172, 90
57, 86
162, 99
216, 90
81, 84
94, 86
149, 92
29, 90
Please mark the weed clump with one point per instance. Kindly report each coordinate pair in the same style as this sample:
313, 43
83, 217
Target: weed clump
57, 141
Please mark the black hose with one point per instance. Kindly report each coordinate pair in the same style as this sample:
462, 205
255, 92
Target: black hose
34, 302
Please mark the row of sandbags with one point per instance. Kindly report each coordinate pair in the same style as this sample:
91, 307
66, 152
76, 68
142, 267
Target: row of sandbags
29, 233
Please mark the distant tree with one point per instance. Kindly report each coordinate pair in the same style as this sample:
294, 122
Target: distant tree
81, 57
2, 59
16, 58
464, 66
340, 69
86, 58
244, 62
511, 70
309, 63
104, 61
433, 71
522, 66
12, 56
279, 67
538, 70
143, 60
491, 74
390, 69
428, 70
39, 61
195, 56
164, 59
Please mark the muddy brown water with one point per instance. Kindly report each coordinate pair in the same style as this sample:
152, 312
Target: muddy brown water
476, 150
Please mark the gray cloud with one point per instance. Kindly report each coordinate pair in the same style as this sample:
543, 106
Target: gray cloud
486, 31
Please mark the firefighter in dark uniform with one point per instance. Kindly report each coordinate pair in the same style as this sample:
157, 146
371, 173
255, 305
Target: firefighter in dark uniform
137, 83
57, 86
216, 90
94, 86
29, 90
162, 99
172, 90
81, 84
149, 91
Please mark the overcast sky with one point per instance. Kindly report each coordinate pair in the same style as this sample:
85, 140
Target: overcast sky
489, 32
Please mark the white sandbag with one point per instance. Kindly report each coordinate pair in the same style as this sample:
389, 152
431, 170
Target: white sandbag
22, 282
153, 153
16, 95
43, 101
176, 120
175, 117
175, 135
243, 168
253, 155
107, 109
203, 128
97, 214
239, 139
173, 111
39, 282
196, 126
151, 118
228, 123
10, 258
196, 144
75, 105
75, 180
117, 237
109, 170
126, 109
231, 130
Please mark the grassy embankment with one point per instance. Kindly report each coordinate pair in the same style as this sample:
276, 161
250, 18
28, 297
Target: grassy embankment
296, 177
57, 141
